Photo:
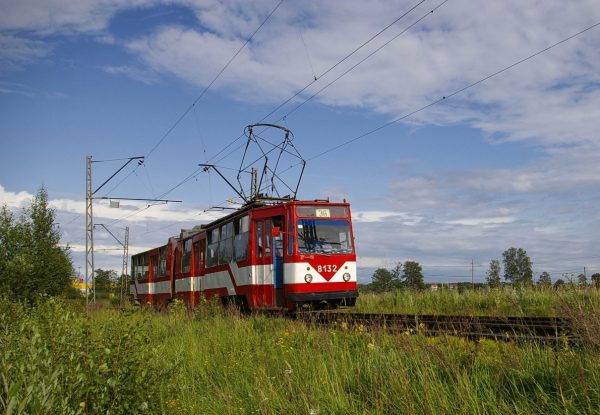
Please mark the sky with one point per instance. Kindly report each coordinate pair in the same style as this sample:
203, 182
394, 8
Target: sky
449, 126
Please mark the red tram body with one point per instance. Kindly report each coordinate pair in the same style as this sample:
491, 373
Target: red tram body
282, 255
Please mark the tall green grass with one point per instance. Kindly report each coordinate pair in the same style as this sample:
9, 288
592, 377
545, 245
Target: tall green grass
209, 361
505, 301
56, 360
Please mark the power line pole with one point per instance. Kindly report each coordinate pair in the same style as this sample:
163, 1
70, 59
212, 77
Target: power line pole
89, 229
89, 220
124, 269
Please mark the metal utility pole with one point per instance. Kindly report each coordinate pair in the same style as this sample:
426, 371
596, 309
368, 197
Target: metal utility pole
89, 229
125, 246
89, 220
124, 269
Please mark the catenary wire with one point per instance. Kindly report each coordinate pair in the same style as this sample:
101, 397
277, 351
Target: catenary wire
204, 91
331, 68
446, 97
187, 111
429, 13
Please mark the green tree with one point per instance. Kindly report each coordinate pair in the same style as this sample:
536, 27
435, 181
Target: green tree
384, 280
105, 282
517, 267
545, 280
493, 274
412, 275
559, 283
596, 279
582, 279
31, 260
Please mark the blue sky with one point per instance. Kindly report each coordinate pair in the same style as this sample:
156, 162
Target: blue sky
509, 162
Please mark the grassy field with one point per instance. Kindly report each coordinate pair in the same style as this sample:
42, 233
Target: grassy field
499, 302
56, 359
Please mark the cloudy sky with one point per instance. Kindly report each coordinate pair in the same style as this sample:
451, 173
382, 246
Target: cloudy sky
509, 161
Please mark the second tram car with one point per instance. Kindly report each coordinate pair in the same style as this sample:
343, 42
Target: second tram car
266, 255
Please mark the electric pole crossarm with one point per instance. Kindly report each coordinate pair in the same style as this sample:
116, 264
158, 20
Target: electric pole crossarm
111, 234
138, 199
209, 166
117, 172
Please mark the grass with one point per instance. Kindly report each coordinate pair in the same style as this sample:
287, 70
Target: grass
56, 359
504, 301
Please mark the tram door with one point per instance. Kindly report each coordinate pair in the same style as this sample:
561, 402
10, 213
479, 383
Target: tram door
269, 257
278, 277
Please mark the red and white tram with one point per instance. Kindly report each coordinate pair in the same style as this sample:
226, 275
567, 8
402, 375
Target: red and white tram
282, 255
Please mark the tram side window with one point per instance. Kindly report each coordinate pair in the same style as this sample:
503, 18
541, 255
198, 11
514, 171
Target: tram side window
212, 251
162, 261
241, 227
141, 267
198, 259
259, 239
226, 243
290, 230
186, 256
268, 238
154, 262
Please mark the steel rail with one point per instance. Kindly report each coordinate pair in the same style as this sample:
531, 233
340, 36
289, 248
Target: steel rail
556, 330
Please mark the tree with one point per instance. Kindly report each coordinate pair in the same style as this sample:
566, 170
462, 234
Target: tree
559, 283
545, 279
596, 279
384, 280
31, 260
412, 275
105, 280
493, 274
582, 279
517, 267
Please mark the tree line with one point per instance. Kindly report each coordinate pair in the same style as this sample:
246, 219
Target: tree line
406, 275
518, 272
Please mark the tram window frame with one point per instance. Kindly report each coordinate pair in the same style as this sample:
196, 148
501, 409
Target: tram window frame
212, 248
268, 227
259, 238
197, 250
141, 269
241, 232
290, 239
162, 261
154, 260
186, 255
226, 243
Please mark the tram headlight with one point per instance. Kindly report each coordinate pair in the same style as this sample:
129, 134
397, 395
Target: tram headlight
308, 278
346, 277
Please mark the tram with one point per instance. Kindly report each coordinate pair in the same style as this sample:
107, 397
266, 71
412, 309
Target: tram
267, 255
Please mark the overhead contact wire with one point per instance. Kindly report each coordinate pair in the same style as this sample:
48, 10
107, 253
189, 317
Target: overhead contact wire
320, 76
187, 111
446, 97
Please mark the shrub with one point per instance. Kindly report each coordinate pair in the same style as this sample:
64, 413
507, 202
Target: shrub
54, 360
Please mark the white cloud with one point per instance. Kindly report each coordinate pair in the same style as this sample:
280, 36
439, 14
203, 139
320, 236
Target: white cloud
62, 16
17, 52
381, 216
14, 200
449, 50
145, 76
483, 222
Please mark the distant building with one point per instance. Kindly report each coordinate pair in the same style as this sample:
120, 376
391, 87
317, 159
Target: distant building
434, 286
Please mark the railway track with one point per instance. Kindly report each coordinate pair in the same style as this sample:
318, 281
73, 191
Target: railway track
554, 330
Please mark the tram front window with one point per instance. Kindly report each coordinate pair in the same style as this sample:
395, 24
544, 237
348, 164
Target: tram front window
324, 236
